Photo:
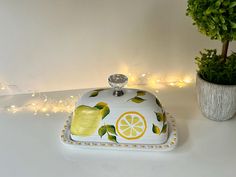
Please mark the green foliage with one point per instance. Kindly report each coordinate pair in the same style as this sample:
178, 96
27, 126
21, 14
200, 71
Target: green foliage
164, 129
141, 93
110, 130
155, 129
212, 69
102, 131
158, 103
214, 18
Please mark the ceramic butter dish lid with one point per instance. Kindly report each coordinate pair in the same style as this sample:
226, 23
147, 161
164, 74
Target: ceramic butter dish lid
119, 115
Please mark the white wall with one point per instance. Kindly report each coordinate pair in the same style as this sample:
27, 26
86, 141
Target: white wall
65, 44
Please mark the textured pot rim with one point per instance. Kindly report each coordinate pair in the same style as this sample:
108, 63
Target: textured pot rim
211, 83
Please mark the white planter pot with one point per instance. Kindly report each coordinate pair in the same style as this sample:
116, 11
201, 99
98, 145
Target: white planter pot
217, 102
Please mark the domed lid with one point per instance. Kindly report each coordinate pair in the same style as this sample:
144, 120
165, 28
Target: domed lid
119, 115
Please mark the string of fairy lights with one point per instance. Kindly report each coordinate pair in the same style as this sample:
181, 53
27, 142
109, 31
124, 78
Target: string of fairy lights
157, 83
40, 103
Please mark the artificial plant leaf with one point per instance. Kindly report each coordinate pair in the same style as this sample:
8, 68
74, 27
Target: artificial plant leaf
102, 131
218, 3
155, 129
226, 3
224, 27
137, 99
164, 129
159, 116
112, 138
111, 129
141, 93
209, 10
158, 103
232, 4
202, 13
233, 25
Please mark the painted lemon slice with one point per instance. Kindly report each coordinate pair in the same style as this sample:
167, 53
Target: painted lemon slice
131, 125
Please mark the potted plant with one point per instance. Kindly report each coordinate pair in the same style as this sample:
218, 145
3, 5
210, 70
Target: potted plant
216, 74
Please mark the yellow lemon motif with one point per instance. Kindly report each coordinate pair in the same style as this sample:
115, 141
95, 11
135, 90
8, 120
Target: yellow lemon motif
131, 125
87, 119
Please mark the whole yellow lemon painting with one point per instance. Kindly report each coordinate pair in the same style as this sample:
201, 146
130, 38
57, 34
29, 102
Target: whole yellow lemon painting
87, 119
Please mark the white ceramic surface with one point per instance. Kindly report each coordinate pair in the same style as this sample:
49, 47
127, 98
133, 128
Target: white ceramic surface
169, 145
137, 117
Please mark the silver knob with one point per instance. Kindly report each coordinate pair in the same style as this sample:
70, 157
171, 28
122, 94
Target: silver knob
117, 82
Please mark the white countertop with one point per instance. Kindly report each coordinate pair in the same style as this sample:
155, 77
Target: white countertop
31, 146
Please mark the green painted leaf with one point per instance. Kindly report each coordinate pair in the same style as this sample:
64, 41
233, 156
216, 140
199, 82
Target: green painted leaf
111, 129
137, 99
100, 105
164, 117
94, 94
102, 131
141, 93
112, 138
104, 109
164, 129
159, 116
158, 103
155, 129
99, 90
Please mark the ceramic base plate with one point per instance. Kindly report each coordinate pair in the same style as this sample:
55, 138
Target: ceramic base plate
169, 145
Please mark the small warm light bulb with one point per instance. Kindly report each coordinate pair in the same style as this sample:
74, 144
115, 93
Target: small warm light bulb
143, 75
44, 109
187, 80
180, 84
132, 79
